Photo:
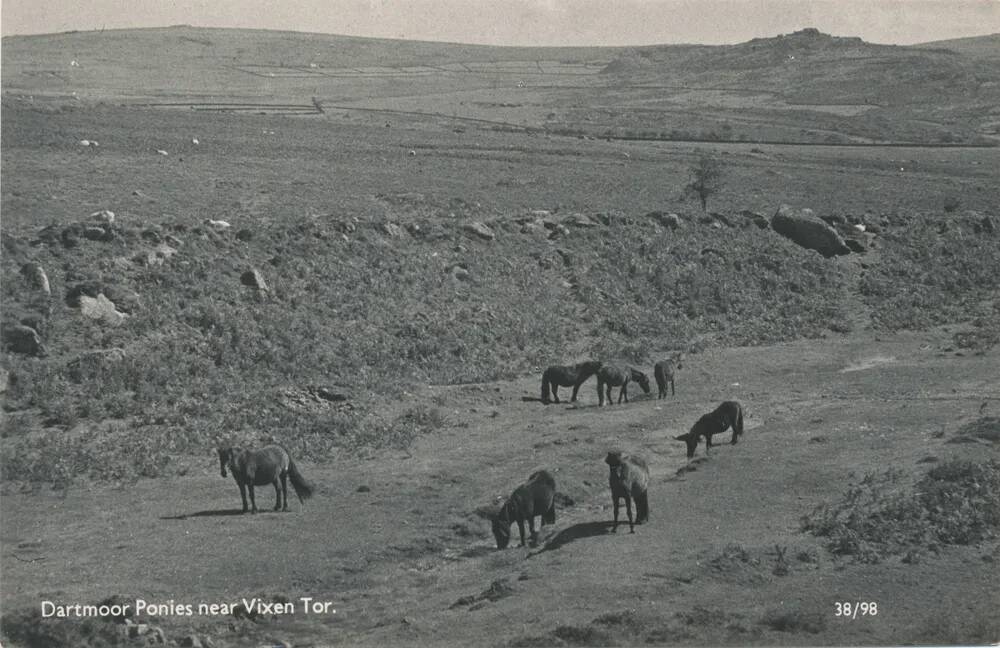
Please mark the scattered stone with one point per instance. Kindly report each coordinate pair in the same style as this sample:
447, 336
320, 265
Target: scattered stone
363, 489
152, 235
329, 395
480, 230
254, 279
855, 245
666, 219
101, 309
217, 224
536, 227
987, 225
808, 231
162, 152
392, 229
19, 338
245, 235
579, 220
35, 274
93, 233
859, 227
85, 142
172, 240
758, 219
459, 273
557, 230
104, 216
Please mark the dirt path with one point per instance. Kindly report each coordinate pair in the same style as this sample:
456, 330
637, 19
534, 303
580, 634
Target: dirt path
405, 558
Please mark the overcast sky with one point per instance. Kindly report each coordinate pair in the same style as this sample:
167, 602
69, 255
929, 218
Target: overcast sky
528, 22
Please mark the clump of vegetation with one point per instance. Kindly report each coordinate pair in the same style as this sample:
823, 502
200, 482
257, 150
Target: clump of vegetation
954, 503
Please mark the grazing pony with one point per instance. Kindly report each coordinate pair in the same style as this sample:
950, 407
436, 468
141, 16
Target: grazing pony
269, 465
573, 376
629, 479
663, 372
537, 496
609, 376
728, 414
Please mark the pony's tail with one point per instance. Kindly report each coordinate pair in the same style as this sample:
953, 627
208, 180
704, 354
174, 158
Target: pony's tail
642, 507
545, 389
549, 517
738, 424
303, 489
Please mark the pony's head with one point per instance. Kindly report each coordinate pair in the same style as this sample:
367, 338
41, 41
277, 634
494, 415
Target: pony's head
642, 379
691, 439
501, 528
225, 457
677, 358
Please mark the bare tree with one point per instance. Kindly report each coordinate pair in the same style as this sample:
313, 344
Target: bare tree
706, 180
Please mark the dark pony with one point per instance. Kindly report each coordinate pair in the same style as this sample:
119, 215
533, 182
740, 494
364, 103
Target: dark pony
629, 478
269, 465
663, 372
728, 414
537, 496
609, 376
573, 376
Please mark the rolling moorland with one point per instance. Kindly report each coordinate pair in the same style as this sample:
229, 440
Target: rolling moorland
368, 251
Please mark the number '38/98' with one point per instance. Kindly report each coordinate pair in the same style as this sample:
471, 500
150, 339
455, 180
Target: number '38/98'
855, 609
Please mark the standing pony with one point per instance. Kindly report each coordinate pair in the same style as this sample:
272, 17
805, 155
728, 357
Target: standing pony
628, 478
609, 376
663, 372
537, 496
269, 465
573, 376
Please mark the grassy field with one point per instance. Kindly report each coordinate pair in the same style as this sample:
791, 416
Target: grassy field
447, 221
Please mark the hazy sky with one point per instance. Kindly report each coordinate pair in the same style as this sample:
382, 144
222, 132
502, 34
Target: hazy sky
528, 22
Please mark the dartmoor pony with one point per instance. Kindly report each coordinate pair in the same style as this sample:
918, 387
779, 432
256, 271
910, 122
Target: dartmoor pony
727, 415
628, 478
269, 465
537, 496
663, 372
573, 376
609, 376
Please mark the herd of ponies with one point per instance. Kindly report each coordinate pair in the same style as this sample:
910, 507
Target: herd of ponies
628, 476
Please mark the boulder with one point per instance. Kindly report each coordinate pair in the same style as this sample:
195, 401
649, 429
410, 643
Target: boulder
36, 276
254, 279
19, 338
579, 220
392, 229
101, 309
480, 230
808, 231
669, 220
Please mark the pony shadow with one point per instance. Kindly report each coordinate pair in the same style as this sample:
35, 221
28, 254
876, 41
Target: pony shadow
216, 513
575, 532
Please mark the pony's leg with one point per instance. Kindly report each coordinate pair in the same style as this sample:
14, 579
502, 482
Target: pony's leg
628, 511
277, 494
733, 440
623, 393
555, 392
673, 392
243, 495
576, 389
253, 501
614, 502
610, 400
520, 528
531, 529
284, 490
600, 394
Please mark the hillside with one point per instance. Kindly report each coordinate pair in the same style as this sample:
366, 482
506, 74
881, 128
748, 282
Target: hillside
981, 46
802, 87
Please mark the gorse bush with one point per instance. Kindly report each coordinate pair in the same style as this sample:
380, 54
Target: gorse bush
954, 503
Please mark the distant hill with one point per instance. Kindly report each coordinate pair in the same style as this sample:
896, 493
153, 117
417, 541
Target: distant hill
804, 87
981, 46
